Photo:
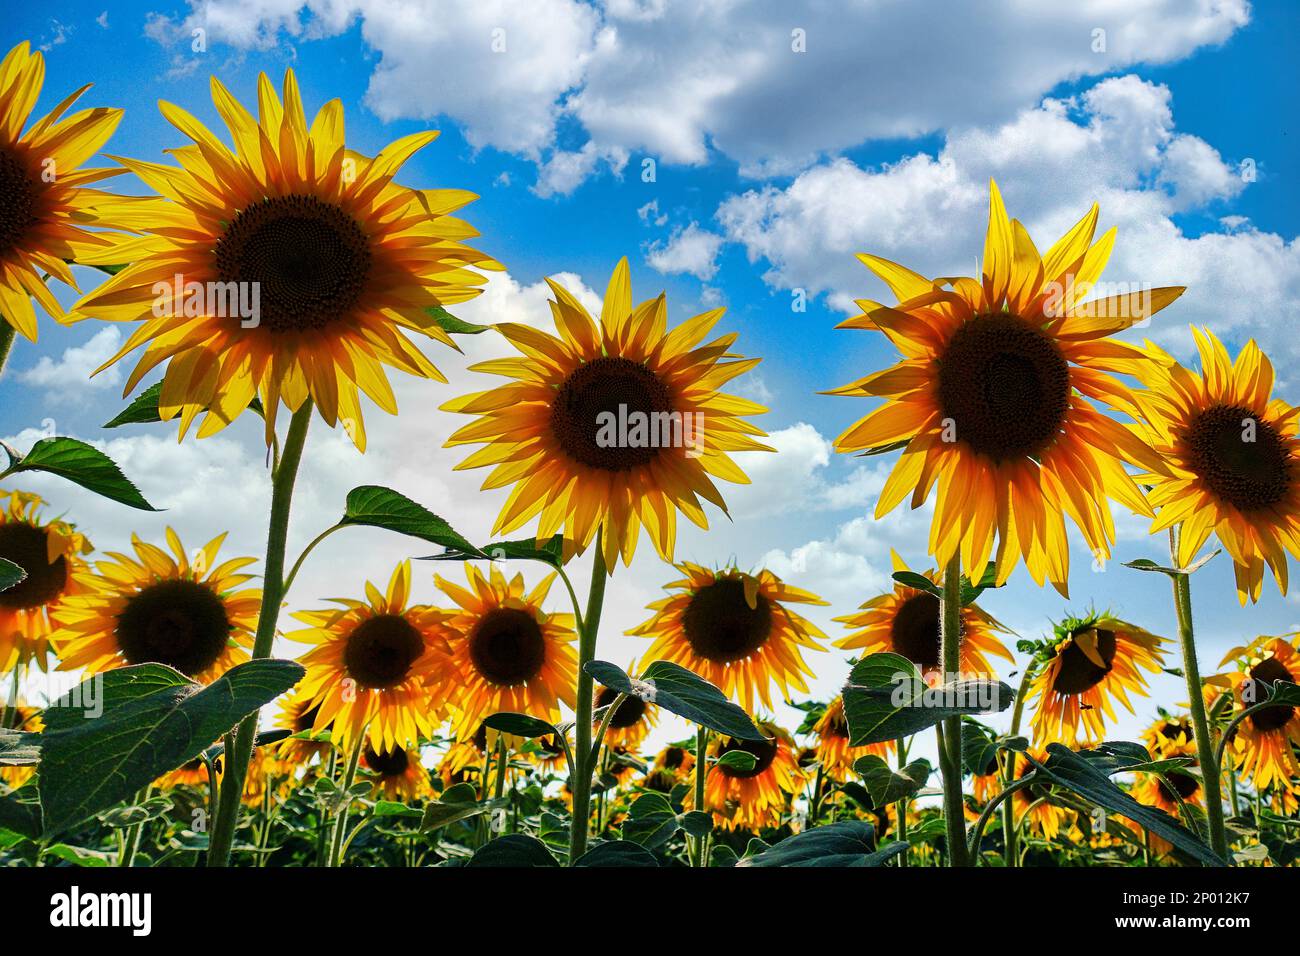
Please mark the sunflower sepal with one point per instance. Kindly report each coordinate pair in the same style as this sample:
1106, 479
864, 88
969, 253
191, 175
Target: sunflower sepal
80, 463
681, 692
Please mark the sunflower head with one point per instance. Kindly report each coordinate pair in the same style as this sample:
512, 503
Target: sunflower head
398, 772
736, 630
905, 621
630, 722
1264, 743
186, 611
298, 716
993, 399
1232, 455
287, 268
44, 205
1086, 664
612, 425
752, 794
833, 752
379, 667
510, 654
51, 552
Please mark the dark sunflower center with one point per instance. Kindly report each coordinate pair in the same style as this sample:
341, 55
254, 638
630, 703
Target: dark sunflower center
600, 407
182, 624
915, 631
381, 650
626, 714
837, 727
1271, 718
763, 752
1005, 385
390, 763
306, 720
674, 757
17, 201
310, 259
549, 746
28, 547
721, 626
1244, 461
1077, 673
1182, 784
507, 647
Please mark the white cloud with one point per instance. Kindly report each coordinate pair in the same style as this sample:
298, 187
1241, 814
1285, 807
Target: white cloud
71, 374
691, 250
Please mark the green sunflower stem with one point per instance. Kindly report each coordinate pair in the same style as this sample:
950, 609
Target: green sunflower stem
902, 804
232, 786
950, 729
1010, 851
1205, 754
584, 763
341, 821
701, 771
6, 342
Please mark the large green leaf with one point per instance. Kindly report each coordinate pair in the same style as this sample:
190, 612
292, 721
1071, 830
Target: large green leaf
21, 812
650, 820
1086, 773
551, 552
680, 692
847, 843
520, 725
617, 853
887, 785
80, 463
153, 720
450, 323
886, 699
10, 574
514, 850
18, 749
143, 409
378, 507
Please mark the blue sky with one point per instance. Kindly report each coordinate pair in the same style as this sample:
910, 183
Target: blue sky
772, 168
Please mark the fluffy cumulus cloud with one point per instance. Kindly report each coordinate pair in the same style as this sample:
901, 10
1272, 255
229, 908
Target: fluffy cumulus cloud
70, 375
1115, 143
680, 79
690, 250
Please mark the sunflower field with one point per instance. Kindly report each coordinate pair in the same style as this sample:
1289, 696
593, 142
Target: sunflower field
179, 703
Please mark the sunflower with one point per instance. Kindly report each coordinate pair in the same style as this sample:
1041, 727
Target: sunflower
631, 722
462, 760
398, 772
191, 774
43, 202
833, 750
510, 654
1264, 742
735, 630
1043, 816
1168, 791
1088, 662
551, 432
342, 261
548, 754
380, 668
298, 716
162, 608
1233, 459
1170, 735
51, 554
673, 764
756, 798
906, 622
993, 399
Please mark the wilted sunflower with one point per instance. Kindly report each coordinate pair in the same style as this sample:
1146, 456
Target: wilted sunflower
735, 630
1264, 744
631, 722
381, 667
758, 797
162, 608
51, 554
993, 399
1088, 662
906, 622
555, 432
43, 202
833, 750
344, 261
399, 773
1233, 459
509, 653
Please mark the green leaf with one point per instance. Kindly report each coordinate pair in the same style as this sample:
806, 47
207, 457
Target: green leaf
910, 579
21, 813
520, 725
617, 853
1086, 773
18, 749
552, 552
459, 802
143, 409
697, 823
378, 507
80, 463
846, 843
888, 786
514, 850
77, 856
740, 761
884, 449
650, 821
122, 817
680, 692
153, 720
452, 324
391, 808
886, 698
970, 592
10, 574
1146, 564
722, 856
